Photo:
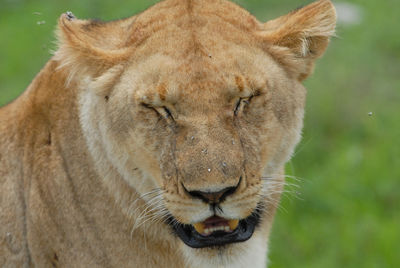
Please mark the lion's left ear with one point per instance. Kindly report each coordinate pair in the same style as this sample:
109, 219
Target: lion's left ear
301, 36
89, 47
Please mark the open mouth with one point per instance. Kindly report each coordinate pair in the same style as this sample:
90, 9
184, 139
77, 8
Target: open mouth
216, 231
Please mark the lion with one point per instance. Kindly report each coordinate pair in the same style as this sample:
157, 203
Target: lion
157, 140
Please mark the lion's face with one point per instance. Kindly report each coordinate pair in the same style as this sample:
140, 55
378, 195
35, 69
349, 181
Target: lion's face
203, 136
200, 120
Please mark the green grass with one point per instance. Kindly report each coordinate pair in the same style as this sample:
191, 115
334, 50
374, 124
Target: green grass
347, 213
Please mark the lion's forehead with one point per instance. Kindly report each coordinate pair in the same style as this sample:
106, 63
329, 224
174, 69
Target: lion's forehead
188, 51
237, 71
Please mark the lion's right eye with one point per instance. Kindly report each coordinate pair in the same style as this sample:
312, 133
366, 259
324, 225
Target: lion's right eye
163, 111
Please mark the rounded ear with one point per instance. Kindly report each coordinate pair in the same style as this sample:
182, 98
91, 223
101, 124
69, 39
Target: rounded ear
301, 36
90, 46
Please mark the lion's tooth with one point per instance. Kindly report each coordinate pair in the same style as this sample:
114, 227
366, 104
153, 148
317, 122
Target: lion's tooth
233, 224
199, 227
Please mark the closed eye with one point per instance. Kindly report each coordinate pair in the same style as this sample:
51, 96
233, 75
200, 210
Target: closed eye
162, 111
167, 113
240, 104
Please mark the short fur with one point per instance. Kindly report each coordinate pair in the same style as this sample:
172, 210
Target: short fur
91, 164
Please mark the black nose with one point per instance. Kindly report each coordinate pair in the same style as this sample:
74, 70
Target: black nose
214, 197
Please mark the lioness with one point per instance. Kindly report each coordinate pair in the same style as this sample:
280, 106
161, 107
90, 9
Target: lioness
158, 140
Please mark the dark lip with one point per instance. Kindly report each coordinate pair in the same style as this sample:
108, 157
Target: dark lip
193, 239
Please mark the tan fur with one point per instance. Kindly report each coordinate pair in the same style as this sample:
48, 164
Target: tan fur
91, 162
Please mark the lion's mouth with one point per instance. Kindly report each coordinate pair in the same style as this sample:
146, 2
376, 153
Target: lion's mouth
215, 224
216, 231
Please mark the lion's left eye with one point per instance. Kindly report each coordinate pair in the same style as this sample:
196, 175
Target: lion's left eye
167, 113
240, 105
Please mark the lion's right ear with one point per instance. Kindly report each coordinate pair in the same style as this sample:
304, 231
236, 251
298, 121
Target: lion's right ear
88, 47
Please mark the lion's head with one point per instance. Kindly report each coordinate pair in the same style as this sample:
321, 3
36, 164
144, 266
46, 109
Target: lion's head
198, 106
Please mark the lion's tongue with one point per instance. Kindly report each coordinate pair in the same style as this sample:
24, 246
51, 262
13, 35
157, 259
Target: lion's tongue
214, 224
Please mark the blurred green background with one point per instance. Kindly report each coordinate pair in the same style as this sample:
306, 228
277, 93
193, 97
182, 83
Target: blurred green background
346, 211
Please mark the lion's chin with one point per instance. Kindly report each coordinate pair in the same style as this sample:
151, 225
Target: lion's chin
220, 232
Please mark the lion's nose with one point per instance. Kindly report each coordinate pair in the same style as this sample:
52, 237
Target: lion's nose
214, 197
